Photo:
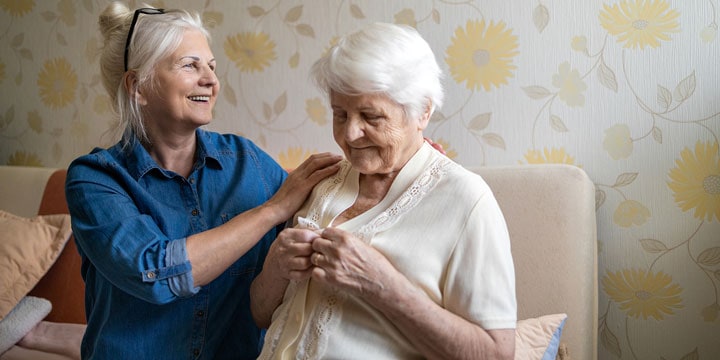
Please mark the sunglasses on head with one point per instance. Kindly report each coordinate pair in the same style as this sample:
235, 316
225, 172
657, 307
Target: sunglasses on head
146, 11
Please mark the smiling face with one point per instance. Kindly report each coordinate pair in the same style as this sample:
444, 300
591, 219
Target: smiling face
374, 133
184, 90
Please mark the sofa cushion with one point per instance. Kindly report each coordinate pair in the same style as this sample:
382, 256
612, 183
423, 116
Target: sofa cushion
539, 338
28, 248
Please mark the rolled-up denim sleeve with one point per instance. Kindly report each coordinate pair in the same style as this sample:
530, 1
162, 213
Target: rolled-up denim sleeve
177, 270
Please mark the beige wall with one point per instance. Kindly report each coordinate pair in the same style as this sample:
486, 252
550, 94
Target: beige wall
628, 90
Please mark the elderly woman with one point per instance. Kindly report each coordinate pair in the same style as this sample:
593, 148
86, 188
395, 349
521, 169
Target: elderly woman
403, 253
173, 222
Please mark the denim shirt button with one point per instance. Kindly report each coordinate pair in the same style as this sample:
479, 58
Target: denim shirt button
200, 313
151, 274
196, 352
195, 212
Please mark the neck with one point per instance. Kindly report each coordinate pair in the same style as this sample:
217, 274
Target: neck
176, 154
375, 186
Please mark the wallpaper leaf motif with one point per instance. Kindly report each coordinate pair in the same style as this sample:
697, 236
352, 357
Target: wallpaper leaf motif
407, 17
625, 179
557, 124
653, 246
356, 12
648, 102
685, 88
607, 76
256, 11
709, 257
541, 17
294, 14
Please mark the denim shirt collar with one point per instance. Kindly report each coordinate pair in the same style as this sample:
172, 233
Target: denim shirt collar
140, 162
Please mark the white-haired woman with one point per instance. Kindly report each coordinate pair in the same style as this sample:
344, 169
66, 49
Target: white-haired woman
174, 222
403, 253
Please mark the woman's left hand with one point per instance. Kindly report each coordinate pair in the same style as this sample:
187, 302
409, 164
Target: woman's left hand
346, 262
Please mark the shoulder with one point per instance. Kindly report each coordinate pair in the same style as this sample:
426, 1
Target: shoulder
229, 144
241, 154
463, 182
97, 159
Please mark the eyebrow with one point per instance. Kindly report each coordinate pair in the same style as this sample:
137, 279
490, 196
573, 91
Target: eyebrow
195, 58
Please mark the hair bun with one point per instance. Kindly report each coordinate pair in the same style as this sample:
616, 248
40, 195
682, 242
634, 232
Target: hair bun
113, 19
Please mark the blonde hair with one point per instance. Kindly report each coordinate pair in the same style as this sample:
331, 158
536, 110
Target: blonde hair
155, 36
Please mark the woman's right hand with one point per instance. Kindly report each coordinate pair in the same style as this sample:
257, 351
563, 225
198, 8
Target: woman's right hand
300, 182
289, 255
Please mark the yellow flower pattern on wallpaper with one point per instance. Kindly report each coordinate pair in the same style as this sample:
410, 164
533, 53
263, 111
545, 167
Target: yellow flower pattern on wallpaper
293, 157
640, 23
57, 83
482, 54
629, 213
642, 293
250, 51
21, 158
549, 156
17, 8
558, 88
695, 181
618, 142
449, 151
316, 111
709, 33
570, 84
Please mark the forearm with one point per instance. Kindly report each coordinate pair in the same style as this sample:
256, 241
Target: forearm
436, 332
266, 294
212, 252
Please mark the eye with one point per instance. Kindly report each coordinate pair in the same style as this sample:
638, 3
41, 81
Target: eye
372, 116
339, 115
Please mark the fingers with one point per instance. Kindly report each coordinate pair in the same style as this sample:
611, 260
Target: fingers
318, 166
292, 253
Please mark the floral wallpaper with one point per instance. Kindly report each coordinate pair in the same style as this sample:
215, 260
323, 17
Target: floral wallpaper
628, 90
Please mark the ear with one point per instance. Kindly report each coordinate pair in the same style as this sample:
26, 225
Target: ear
131, 87
425, 117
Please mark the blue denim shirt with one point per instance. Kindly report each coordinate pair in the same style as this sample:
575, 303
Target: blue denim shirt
130, 219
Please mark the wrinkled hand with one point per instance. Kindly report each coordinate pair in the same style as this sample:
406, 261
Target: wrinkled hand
289, 255
296, 188
345, 262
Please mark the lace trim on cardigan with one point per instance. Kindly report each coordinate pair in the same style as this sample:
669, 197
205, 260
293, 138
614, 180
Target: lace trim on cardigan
326, 315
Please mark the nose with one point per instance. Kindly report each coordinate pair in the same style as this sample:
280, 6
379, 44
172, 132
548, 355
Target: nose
208, 77
354, 128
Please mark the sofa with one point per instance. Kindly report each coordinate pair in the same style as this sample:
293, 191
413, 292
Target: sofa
549, 209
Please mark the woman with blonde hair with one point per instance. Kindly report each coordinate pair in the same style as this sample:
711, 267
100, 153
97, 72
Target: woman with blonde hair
173, 222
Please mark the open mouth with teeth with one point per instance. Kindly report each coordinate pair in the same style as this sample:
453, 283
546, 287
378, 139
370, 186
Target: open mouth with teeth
199, 98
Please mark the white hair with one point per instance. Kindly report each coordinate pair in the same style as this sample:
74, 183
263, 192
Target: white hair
383, 58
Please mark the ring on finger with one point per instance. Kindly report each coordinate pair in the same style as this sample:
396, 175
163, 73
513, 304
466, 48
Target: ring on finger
315, 258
